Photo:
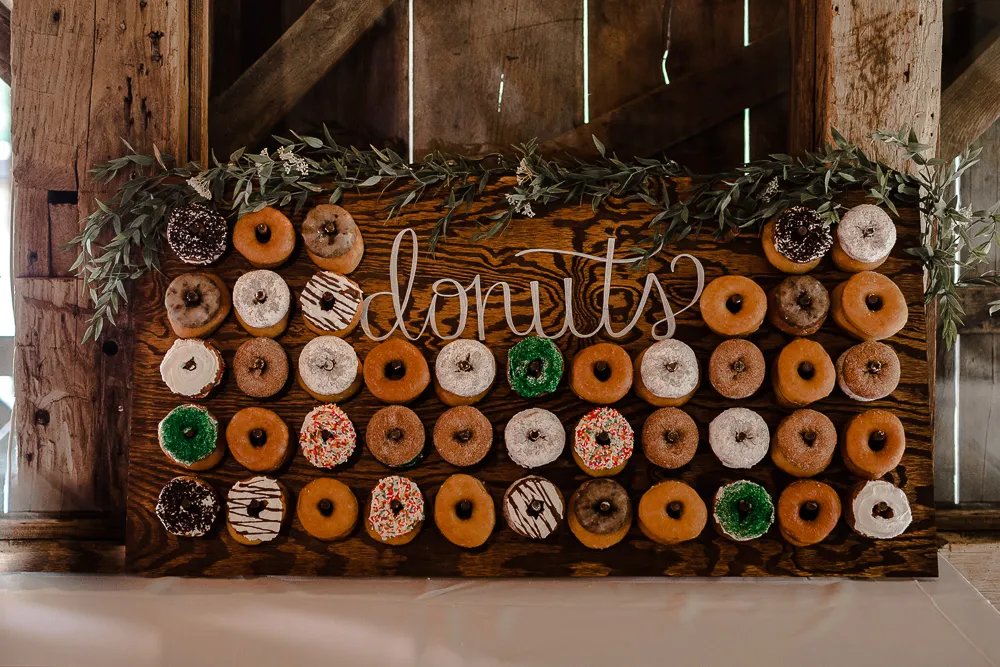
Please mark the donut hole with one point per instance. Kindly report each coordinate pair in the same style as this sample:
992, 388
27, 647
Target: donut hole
804, 300
534, 435
743, 509
675, 509
463, 436
604, 507
395, 370
260, 297
190, 365
734, 303
188, 505
255, 508
262, 233
874, 367
882, 511
808, 437
874, 302
535, 508
395, 506
603, 438
877, 441
258, 437
806, 370
465, 365
325, 507
258, 366
463, 510
738, 366
189, 432
809, 510
671, 436
602, 370
394, 434
534, 368
327, 301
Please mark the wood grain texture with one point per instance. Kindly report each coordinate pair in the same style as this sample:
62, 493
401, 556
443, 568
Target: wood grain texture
150, 550
965, 112
802, 132
70, 555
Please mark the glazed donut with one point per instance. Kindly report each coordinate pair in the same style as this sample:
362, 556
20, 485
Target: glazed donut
327, 437
733, 306
533, 507
796, 240
332, 239
868, 306
396, 372
742, 510
878, 510
666, 374
534, 367
807, 512
261, 367
803, 374
601, 373
395, 511
261, 299
736, 368
804, 443
600, 513
464, 511
331, 304
329, 369
464, 372
395, 436
266, 238
463, 436
258, 439
602, 442
196, 234
187, 507
868, 371
739, 438
865, 237
672, 512
256, 510
534, 437
669, 438
798, 305
191, 367
873, 443
189, 436
197, 304
327, 509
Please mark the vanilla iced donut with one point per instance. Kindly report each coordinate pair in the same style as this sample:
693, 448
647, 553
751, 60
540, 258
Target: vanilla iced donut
331, 304
739, 438
191, 367
329, 369
866, 234
878, 510
463, 372
667, 373
534, 437
262, 299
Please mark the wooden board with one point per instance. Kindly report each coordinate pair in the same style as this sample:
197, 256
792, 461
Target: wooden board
151, 551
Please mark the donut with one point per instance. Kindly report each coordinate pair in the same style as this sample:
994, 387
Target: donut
672, 512
733, 306
256, 509
736, 368
804, 443
197, 304
873, 443
868, 306
329, 369
464, 511
191, 367
533, 507
463, 436
600, 513
669, 438
534, 437
396, 372
395, 436
261, 367
327, 509
739, 438
601, 373
864, 239
798, 305
667, 374
602, 442
196, 234
464, 372
187, 507
796, 240
332, 239
742, 510
189, 436
878, 510
265, 237
395, 511
868, 371
807, 512
331, 304
258, 439
261, 299
327, 437
534, 367
803, 374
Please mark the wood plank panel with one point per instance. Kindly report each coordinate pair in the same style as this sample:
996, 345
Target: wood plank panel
979, 419
769, 121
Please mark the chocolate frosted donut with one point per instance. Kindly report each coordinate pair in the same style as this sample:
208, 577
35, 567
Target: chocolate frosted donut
331, 304
804, 443
807, 512
327, 437
261, 299
602, 442
196, 234
329, 369
534, 437
534, 367
868, 371
332, 238
798, 305
600, 513
261, 367
196, 303
878, 510
865, 237
396, 372
601, 373
464, 372
191, 367
796, 240
736, 368
742, 510
739, 438
669, 438
463, 436
395, 436
187, 507
666, 373
533, 507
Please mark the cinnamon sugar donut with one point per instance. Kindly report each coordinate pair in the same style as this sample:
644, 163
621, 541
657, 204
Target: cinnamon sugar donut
868, 371
396, 372
864, 239
261, 367
672, 512
798, 305
395, 436
803, 374
733, 306
464, 372
463, 436
873, 443
869, 306
666, 373
804, 443
736, 368
327, 509
332, 239
266, 238
258, 439
807, 512
464, 511
601, 373
669, 438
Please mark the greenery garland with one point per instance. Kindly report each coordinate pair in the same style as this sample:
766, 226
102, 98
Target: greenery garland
121, 240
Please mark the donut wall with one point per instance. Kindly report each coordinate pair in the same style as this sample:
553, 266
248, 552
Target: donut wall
655, 432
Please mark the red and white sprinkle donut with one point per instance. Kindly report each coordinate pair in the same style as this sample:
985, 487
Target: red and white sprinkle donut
395, 510
603, 442
327, 437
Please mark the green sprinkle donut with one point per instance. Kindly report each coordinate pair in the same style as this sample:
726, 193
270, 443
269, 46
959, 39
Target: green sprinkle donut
534, 367
743, 510
188, 434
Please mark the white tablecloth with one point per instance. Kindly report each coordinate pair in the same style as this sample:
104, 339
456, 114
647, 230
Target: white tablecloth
109, 621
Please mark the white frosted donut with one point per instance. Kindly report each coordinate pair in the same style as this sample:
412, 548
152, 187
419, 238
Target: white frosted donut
739, 438
328, 365
330, 302
867, 519
534, 437
191, 367
261, 298
669, 369
866, 233
465, 368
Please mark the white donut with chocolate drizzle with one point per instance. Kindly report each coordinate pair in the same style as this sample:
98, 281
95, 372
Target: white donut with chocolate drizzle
330, 301
261, 298
256, 509
465, 368
669, 369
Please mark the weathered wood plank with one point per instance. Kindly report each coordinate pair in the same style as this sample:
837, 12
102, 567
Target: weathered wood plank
802, 131
979, 430
977, 558
70, 555
946, 395
966, 112
199, 70
5, 44
32, 248
60, 526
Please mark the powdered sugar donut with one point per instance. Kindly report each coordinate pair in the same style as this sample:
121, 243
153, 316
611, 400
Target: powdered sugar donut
879, 510
327, 437
191, 367
865, 237
331, 304
395, 510
329, 369
666, 373
262, 299
603, 442
534, 437
739, 437
463, 372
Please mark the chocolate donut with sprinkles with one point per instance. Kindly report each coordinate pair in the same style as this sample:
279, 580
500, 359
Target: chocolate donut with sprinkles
395, 511
603, 442
796, 240
327, 437
331, 304
187, 507
196, 234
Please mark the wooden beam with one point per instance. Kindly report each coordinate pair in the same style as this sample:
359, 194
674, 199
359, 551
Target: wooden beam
199, 68
802, 131
968, 517
67, 555
5, 43
971, 104
60, 525
244, 113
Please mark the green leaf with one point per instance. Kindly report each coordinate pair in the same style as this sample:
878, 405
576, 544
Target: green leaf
370, 181
598, 144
